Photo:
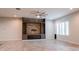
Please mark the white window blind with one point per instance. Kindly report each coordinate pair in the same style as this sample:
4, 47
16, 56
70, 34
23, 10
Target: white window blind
62, 28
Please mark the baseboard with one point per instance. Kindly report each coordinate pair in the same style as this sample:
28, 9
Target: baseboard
10, 39
70, 42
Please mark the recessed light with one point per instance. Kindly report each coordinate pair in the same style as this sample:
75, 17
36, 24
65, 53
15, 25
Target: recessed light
15, 15
71, 8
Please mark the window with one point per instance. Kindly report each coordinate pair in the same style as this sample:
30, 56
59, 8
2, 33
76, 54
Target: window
62, 28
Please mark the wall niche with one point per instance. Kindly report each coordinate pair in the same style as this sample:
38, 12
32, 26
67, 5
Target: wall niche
33, 28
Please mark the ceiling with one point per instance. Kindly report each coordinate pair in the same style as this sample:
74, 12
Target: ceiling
53, 13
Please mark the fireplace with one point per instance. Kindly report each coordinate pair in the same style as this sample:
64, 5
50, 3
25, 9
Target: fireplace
33, 28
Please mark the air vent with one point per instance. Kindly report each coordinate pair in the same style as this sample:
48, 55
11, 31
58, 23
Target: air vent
18, 8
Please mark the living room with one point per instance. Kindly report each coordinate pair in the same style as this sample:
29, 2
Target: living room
39, 29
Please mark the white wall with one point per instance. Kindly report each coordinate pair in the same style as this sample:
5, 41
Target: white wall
10, 29
73, 28
49, 29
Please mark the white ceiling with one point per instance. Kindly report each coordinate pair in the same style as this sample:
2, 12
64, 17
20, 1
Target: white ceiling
53, 13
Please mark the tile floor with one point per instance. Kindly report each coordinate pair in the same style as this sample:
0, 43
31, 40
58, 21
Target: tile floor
37, 45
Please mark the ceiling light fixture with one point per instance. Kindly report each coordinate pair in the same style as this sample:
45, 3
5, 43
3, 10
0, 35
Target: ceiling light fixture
39, 14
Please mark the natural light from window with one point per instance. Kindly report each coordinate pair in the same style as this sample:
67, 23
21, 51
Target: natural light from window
62, 28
